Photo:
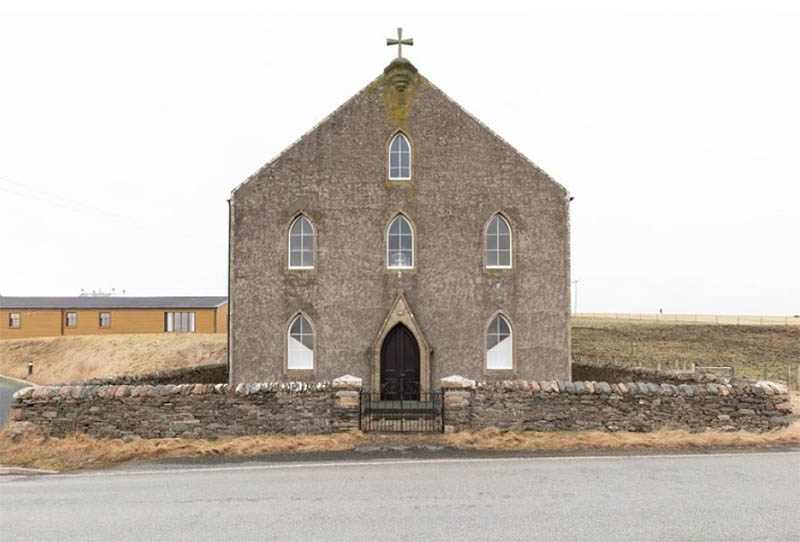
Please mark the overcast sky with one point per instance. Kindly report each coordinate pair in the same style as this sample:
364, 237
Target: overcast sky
675, 125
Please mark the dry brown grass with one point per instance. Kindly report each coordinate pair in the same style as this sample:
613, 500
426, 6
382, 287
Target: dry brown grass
79, 451
664, 439
747, 348
66, 359
30, 449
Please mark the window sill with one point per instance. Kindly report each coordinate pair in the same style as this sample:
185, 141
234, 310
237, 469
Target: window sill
299, 372
500, 372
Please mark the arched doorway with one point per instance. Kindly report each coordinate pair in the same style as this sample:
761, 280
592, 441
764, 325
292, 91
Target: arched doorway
400, 375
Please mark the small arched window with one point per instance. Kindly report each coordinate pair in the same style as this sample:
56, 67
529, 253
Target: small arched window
499, 351
400, 244
300, 355
498, 243
399, 158
301, 244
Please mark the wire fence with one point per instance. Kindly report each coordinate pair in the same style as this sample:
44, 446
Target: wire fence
719, 319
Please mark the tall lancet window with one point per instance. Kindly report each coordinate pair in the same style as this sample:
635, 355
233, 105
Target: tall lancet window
301, 244
400, 244
399, 159
300, 356
498, 244
499, 351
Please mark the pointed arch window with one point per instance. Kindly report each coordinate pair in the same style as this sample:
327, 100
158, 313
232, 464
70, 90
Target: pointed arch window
300, 355
399, 158
498, 243
499, 351
400, 244
301, 244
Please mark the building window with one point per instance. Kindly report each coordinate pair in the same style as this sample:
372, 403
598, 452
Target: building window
300, 356
13, 320
399, 159
179, 322
301, 244
499, 352
498, 244
71, 319
105, 319
400, 244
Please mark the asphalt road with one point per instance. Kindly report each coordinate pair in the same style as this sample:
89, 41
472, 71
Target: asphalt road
747, 497
7, 389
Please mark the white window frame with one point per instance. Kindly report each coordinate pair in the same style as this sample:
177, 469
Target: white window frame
389, 157
413, 241
300, 361
100, 320
510, 243
74, 322
508, 362
184, 319
14, 320
313, 243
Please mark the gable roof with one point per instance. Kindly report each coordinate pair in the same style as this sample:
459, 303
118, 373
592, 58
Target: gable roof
112, 302
357, 94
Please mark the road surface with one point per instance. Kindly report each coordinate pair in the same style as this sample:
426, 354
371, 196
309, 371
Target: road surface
7, 389
747, 497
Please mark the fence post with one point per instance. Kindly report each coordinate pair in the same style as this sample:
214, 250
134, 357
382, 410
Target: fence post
798, 378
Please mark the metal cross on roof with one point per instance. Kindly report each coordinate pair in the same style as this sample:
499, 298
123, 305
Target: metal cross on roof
399, 42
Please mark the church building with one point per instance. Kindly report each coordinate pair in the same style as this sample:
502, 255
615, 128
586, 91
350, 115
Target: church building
400, 241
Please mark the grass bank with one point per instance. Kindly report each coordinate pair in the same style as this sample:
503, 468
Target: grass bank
749, 349
30, 449
66, 359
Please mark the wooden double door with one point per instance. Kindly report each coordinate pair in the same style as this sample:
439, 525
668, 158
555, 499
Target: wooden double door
400, 378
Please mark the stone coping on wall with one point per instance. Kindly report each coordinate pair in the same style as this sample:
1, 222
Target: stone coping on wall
448, 384
147, 390
456, 382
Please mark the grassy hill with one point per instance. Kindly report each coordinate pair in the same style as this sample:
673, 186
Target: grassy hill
748, 348
66, 359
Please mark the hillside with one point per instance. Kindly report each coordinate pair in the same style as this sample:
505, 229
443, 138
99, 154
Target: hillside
66, 359
747, 348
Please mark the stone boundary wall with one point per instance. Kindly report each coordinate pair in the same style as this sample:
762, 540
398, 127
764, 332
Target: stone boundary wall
191, 410
214, 373
215, 410
609, 372
631, 406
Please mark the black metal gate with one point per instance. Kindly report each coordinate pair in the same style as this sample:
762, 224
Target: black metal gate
402, 408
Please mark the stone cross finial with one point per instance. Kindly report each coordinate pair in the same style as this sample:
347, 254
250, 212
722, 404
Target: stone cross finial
399, 42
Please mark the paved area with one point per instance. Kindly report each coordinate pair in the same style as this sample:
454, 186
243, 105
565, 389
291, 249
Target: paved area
710, 497
7, 389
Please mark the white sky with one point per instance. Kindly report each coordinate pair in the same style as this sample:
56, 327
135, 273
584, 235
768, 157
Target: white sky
674, 124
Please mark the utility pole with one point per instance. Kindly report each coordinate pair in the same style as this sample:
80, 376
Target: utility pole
575, 283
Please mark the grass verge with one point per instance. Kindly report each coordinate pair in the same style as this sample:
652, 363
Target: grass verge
31, 449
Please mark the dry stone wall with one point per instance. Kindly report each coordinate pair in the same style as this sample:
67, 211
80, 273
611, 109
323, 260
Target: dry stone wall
609, 372
190, 410
632, 406
215, 410
212, 373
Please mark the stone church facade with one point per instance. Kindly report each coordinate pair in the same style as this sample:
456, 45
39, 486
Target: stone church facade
401, 241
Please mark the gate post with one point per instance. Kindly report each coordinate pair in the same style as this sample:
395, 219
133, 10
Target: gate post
347, 403
457, 394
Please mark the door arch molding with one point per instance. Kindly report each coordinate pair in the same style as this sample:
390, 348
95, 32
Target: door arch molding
400, 313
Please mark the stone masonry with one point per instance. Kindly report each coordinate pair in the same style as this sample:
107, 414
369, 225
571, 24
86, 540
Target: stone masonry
215, 410
524, 405
191, 410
